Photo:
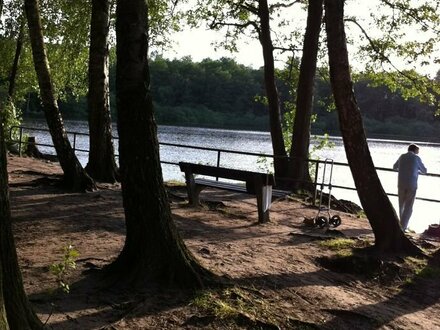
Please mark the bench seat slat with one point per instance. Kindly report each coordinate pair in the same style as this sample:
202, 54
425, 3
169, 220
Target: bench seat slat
221, 185
226, 173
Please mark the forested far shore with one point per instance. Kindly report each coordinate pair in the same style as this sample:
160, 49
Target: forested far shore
225, 94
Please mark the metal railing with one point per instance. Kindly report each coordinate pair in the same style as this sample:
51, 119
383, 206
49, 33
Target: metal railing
218, 151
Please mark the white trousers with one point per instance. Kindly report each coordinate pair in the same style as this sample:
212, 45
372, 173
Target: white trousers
406, 202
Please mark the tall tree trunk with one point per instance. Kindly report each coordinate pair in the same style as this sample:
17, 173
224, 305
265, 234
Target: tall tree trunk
18, 310
4, 199
276, 132
381, 214
14, 69
101, 166
299, 152
153, 249
74, 175
3, 212
3, 321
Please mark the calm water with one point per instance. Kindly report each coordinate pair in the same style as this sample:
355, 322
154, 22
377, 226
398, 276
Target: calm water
384, 153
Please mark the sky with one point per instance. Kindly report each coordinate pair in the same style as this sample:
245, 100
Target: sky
198, 43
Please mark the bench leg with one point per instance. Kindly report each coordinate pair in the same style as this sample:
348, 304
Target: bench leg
193, 190
193, 197
263, 204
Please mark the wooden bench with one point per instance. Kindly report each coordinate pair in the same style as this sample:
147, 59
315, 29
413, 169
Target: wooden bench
259, 184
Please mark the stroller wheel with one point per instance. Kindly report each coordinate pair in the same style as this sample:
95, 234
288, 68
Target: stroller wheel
321, 222
335, 220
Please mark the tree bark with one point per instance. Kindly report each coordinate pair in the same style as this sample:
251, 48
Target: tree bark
18, 310
3, 321
3, 213
101, 166
74, 175
299, 152
153, 249
14, 69
381, 214
276, 132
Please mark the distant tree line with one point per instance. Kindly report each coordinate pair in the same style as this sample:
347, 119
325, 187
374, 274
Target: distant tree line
223, 93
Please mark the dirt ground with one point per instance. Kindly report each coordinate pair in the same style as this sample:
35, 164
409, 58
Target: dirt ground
278, 280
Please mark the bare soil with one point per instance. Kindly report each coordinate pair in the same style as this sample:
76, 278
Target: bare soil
281, 274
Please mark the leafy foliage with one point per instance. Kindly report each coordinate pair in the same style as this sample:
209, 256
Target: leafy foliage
222, 86
239, 19
400, 38
10, 117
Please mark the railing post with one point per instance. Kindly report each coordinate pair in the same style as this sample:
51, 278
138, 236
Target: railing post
74, 142
316, 182
218, 161
19, 142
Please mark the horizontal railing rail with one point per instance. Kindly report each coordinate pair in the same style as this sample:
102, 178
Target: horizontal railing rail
219, 151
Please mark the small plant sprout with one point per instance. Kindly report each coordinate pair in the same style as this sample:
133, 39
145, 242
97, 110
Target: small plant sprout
62, 269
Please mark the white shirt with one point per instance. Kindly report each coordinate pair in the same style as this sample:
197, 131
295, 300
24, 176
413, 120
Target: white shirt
409, 166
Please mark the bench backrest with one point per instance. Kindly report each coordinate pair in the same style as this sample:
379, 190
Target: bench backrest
227, 173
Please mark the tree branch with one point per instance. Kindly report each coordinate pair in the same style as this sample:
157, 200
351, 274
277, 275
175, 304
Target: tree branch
379, 52
249, 8
216, 25
286, 49
283, 5
411, 12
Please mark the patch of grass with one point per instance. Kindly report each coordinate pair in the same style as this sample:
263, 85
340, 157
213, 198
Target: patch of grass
338, 244
228, 303
345, 253
212, 303
175, 183
361, 214
430, 272
421, 269
416, 264
237, 306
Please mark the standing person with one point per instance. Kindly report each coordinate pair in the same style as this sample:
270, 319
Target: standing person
409, 166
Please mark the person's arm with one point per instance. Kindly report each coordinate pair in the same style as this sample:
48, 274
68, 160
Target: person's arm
422, 167
396, 165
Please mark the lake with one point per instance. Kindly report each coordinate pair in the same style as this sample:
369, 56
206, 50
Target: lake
384, 154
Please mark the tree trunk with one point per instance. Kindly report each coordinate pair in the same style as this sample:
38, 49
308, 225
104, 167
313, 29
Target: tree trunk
299, 152
153, 249
14, 69
18, 310
74, 175
3, 212
381, 214
101, 166
3, 321
276, 132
